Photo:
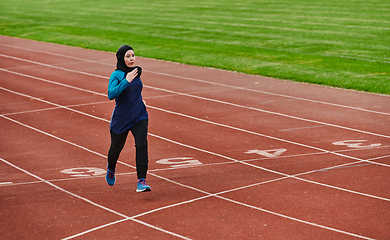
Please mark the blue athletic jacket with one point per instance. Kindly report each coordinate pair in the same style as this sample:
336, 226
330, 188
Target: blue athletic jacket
129, 107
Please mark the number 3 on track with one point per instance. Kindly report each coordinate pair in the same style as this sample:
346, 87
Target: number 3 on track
84, 172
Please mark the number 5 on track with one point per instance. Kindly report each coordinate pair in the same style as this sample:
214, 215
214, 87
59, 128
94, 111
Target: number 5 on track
180, 162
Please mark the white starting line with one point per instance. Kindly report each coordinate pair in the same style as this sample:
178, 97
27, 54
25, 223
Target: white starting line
5, 183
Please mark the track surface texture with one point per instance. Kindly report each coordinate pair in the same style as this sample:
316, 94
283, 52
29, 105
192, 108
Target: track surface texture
232, 156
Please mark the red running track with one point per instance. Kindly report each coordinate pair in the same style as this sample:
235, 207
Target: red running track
232, 156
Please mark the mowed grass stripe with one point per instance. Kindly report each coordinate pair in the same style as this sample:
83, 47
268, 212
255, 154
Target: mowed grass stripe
322, 28
168, 22
268, 19
252, 37
259, 26
342, 44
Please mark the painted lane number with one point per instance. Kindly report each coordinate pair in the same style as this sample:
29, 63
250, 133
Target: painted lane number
356, 144
180, 162
272, 153
84, 172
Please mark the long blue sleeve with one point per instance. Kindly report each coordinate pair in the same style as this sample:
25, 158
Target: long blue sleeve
116, 84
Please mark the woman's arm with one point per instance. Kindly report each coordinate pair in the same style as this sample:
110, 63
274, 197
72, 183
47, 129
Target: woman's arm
116, 86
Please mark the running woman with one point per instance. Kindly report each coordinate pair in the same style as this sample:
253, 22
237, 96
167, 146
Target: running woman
125, 86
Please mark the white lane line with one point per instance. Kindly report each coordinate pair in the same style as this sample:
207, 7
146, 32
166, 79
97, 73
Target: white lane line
243, 204
300, 128
380, 157
54, 108
197, 80
52, 82
50, 103
51, 66
5, 183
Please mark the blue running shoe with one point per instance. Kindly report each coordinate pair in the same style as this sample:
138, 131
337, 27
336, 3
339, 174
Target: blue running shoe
110, 177
142, 186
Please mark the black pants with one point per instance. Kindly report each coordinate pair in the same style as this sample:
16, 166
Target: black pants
140, 132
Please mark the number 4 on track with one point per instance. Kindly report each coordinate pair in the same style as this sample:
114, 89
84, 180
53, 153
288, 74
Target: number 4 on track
272, 153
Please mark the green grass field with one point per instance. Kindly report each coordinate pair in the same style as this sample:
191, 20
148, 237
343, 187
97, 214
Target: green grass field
337, 43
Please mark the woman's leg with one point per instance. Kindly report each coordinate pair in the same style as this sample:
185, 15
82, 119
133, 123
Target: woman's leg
117, 143
140, 133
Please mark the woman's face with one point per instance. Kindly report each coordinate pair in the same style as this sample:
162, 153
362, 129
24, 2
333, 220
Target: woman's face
129, 58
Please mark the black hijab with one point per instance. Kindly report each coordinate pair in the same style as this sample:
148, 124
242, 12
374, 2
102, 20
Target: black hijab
120, 57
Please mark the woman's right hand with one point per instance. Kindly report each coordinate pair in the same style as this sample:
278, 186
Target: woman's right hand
131, 75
